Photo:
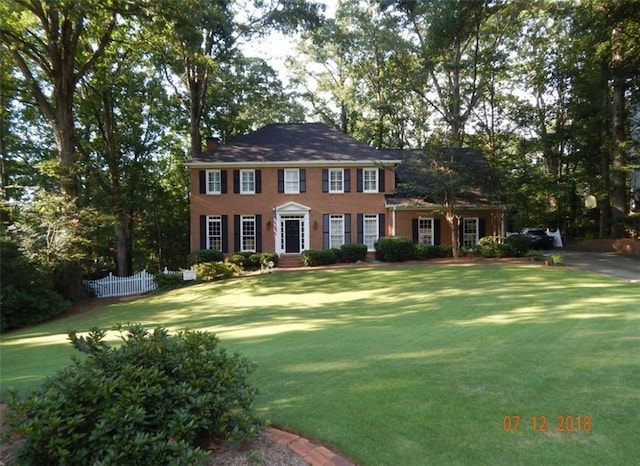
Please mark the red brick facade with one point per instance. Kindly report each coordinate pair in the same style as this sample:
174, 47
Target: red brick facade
264, 204
303, 214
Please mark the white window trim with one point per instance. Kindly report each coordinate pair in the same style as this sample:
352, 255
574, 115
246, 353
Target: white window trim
209, 174
331, 218
375, 178
296, 172
477, 231
341, 172
371, 218
432, 230
212, 219
242, 182
243, 219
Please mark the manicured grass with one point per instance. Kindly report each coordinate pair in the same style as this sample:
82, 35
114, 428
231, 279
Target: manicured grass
412, 365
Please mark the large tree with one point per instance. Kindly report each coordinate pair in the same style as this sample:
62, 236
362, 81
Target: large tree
54, 45
453, 50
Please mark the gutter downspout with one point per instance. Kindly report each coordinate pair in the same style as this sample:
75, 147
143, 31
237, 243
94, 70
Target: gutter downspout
393, 220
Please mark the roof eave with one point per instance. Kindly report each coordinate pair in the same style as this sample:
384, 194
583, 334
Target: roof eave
293, 163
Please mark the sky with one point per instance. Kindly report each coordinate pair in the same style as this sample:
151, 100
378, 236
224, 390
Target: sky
276, 47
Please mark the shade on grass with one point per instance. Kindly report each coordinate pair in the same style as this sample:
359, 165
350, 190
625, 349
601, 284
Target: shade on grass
412, 365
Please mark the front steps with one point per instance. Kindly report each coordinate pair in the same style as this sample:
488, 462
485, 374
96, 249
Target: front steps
289, 261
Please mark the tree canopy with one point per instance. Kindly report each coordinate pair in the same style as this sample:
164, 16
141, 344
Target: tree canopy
104, 101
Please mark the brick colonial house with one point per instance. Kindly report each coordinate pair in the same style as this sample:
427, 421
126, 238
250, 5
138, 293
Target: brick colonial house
290, 187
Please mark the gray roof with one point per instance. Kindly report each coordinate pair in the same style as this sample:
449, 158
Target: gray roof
295, 142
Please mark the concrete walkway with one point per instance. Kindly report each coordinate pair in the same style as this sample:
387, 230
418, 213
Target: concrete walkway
609, 263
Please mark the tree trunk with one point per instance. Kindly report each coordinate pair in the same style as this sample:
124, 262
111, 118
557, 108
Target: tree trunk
455, 237
122, 246
618, 155
605, 161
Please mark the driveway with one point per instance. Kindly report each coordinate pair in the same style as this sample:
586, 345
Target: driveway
610, 263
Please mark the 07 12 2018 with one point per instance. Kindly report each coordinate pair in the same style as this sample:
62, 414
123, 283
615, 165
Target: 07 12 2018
543, 423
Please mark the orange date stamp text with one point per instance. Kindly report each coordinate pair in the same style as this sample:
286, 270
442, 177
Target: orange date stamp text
542, 423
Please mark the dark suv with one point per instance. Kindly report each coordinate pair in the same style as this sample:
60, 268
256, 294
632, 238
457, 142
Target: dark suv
539, 238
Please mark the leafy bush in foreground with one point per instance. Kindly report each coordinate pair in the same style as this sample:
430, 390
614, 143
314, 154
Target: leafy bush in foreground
155, 399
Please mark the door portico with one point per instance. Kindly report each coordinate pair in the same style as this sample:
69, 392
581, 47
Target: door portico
292, 228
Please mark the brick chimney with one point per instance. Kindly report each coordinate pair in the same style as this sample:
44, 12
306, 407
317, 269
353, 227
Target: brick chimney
212, 143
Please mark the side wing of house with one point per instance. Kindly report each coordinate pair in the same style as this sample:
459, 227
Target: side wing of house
424, 223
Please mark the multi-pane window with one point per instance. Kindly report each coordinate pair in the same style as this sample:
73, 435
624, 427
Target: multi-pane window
247, 181
292, 181
214, 182
214, 232
336, 231
469, 232
425, 231
336, 180
370, 230
248, 233
370, 180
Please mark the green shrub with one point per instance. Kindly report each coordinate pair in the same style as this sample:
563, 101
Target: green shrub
520, 244
154, 399
496, 246
205, 255
247, 260
27, 296
535, 255
428, 251
169, 281
211, 271
267, 257
489, 246
394, 249
555, 259
316, 257
353, 252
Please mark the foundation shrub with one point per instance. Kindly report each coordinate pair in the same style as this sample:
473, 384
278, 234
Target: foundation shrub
205, 255
428, 251
247, 260
316, 257
154, 399
489, 246
353, 252
520, 244
267, 257
394, 249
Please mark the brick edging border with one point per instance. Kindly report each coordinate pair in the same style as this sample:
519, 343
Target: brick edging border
315, 455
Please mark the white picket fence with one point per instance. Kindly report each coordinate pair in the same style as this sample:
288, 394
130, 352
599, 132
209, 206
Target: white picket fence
111, 286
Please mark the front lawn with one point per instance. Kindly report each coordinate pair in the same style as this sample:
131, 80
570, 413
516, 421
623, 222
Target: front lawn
412, 365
